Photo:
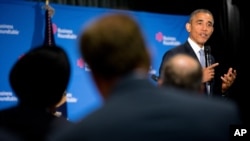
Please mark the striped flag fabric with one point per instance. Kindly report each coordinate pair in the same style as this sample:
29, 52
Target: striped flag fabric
49, 39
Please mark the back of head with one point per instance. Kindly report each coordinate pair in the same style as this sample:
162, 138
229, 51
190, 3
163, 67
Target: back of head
41, 76
113, 46
182, 71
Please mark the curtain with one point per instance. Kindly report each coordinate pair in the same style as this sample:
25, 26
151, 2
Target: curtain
120, 4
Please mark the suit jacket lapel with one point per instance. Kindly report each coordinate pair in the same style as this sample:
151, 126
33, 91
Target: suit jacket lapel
190, 50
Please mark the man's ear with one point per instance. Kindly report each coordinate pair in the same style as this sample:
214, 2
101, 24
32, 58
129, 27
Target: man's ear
188, 27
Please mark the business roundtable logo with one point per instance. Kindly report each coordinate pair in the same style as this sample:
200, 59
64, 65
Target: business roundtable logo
82, 65
63, 33
8, 29
166, 40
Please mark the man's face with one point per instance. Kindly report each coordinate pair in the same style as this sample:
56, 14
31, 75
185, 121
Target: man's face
200, 28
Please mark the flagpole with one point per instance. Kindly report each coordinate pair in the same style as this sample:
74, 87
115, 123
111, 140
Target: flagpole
47, 2
49, 36
49, 8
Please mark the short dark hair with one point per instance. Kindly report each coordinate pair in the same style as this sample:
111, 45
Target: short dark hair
199, 11
114, 45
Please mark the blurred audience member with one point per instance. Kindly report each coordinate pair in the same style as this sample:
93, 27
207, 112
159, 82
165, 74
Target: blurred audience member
182, 71
39, 80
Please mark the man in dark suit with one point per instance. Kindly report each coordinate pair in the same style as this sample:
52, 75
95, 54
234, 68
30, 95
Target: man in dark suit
200, 28
39, 80
135, 109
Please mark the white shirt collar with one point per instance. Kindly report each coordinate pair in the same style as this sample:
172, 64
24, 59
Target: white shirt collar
195, 47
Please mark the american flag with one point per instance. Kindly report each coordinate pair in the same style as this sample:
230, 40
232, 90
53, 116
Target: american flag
48, 32
49, 40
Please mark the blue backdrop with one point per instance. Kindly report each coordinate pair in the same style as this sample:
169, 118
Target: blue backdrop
22, 27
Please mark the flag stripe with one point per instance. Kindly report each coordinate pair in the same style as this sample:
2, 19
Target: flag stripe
49, 35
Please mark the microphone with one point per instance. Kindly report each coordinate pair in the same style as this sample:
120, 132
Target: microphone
208, 56
155, 77
207, 50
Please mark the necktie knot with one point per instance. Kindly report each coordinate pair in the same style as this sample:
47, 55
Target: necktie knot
201, 52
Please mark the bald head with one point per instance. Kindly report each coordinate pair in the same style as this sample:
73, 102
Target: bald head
184, 64
182, 71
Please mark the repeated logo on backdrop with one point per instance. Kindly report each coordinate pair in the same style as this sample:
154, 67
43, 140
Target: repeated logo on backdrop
166, 40
8, 29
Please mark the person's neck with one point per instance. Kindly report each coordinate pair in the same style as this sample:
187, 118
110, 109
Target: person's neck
105, 86
141, 72
191, 41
